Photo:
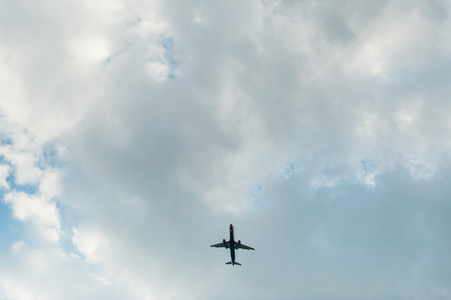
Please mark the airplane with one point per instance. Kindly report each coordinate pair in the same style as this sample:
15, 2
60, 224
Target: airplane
232, 245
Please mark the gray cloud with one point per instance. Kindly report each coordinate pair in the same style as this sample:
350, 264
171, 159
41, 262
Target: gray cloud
319, 129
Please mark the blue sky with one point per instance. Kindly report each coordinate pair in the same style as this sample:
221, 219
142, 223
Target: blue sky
135, 133
10, 229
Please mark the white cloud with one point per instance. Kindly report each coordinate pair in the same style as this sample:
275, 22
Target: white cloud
92, 244
50, 185
30, 274
38, 210
157, 70
420, 169
18, 246
26, 170
95, 49
4, 173
134, 133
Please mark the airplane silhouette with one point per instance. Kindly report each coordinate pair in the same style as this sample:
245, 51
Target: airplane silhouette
232, 245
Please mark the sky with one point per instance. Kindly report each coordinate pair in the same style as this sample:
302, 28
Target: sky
132, 133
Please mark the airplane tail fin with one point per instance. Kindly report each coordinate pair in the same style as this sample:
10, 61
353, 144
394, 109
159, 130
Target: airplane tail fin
229, 263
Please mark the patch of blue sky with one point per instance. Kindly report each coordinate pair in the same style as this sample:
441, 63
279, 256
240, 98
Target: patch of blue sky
257, 203
69, 219
134, 23
369, 166
290, 169
343, 181
5, 141
11, 230
49, 157
26, 188
95, 269
11, 180
67, 245
368, 171
169, 56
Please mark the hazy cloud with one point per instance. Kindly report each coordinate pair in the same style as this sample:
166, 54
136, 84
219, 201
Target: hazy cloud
133, 133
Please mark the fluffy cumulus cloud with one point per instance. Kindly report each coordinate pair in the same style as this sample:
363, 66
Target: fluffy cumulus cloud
133, 133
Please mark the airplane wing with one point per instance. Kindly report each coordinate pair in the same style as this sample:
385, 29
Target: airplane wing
220, 245
242, 246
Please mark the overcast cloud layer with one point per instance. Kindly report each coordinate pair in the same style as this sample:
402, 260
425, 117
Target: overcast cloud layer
134, 132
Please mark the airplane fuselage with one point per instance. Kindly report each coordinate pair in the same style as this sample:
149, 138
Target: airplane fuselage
232, 245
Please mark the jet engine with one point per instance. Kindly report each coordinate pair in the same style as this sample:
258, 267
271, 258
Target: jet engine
239, 242
223, 240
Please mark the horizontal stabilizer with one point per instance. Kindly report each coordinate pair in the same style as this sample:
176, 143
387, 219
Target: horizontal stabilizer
229, 263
